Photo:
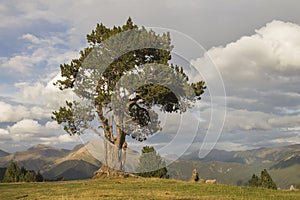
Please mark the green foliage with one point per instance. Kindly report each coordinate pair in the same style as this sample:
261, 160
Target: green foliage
267, 181
264, 181
255, 181
151, 164
39, 177
30, 176
96, 76
12, 173
15, 174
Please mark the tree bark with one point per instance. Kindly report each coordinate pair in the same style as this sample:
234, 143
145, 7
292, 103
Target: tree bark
105, 125
120, 139
113, 147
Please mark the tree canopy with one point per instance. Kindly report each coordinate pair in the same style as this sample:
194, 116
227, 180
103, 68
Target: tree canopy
16, 174
118, 79
265, 181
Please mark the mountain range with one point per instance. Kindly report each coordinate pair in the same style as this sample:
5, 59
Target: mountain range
3, 153
228, 167
237, 167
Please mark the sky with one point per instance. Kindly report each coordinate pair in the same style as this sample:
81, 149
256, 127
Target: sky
255, 45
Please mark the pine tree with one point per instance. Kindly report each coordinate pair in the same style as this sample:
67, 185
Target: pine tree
16, 174
267, 181
12, 173
22, 174
30, 176
255, 181
108, 75
264, 181
151, 164
39, 177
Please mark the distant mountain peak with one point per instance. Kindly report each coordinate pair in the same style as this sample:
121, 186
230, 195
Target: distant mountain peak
3, 153
41, 146
77, 147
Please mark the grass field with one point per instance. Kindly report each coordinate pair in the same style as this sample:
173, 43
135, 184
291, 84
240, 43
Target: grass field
132, 188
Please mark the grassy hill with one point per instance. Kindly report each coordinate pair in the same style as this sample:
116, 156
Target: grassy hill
136, 188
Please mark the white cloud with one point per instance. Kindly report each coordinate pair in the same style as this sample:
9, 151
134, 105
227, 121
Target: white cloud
46, 95
65, 138
31, 38
288, 140
285, 121
260, 74
283, 39
21, 63
40, 51
247, 120
61, 139
25, 126
14, 113
263, 57
228, 145
40, 98
28, 130
52, 125
25, 130
4, 134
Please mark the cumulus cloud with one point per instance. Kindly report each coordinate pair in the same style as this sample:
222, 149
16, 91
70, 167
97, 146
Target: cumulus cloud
266, 58
14, 113
4, 134
261, 73
28, 130
61, 139
26, 126
46, 95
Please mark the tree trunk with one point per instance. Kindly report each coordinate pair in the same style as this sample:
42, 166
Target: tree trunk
120, 139
112, 146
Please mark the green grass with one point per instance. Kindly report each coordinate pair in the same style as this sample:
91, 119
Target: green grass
132, 188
